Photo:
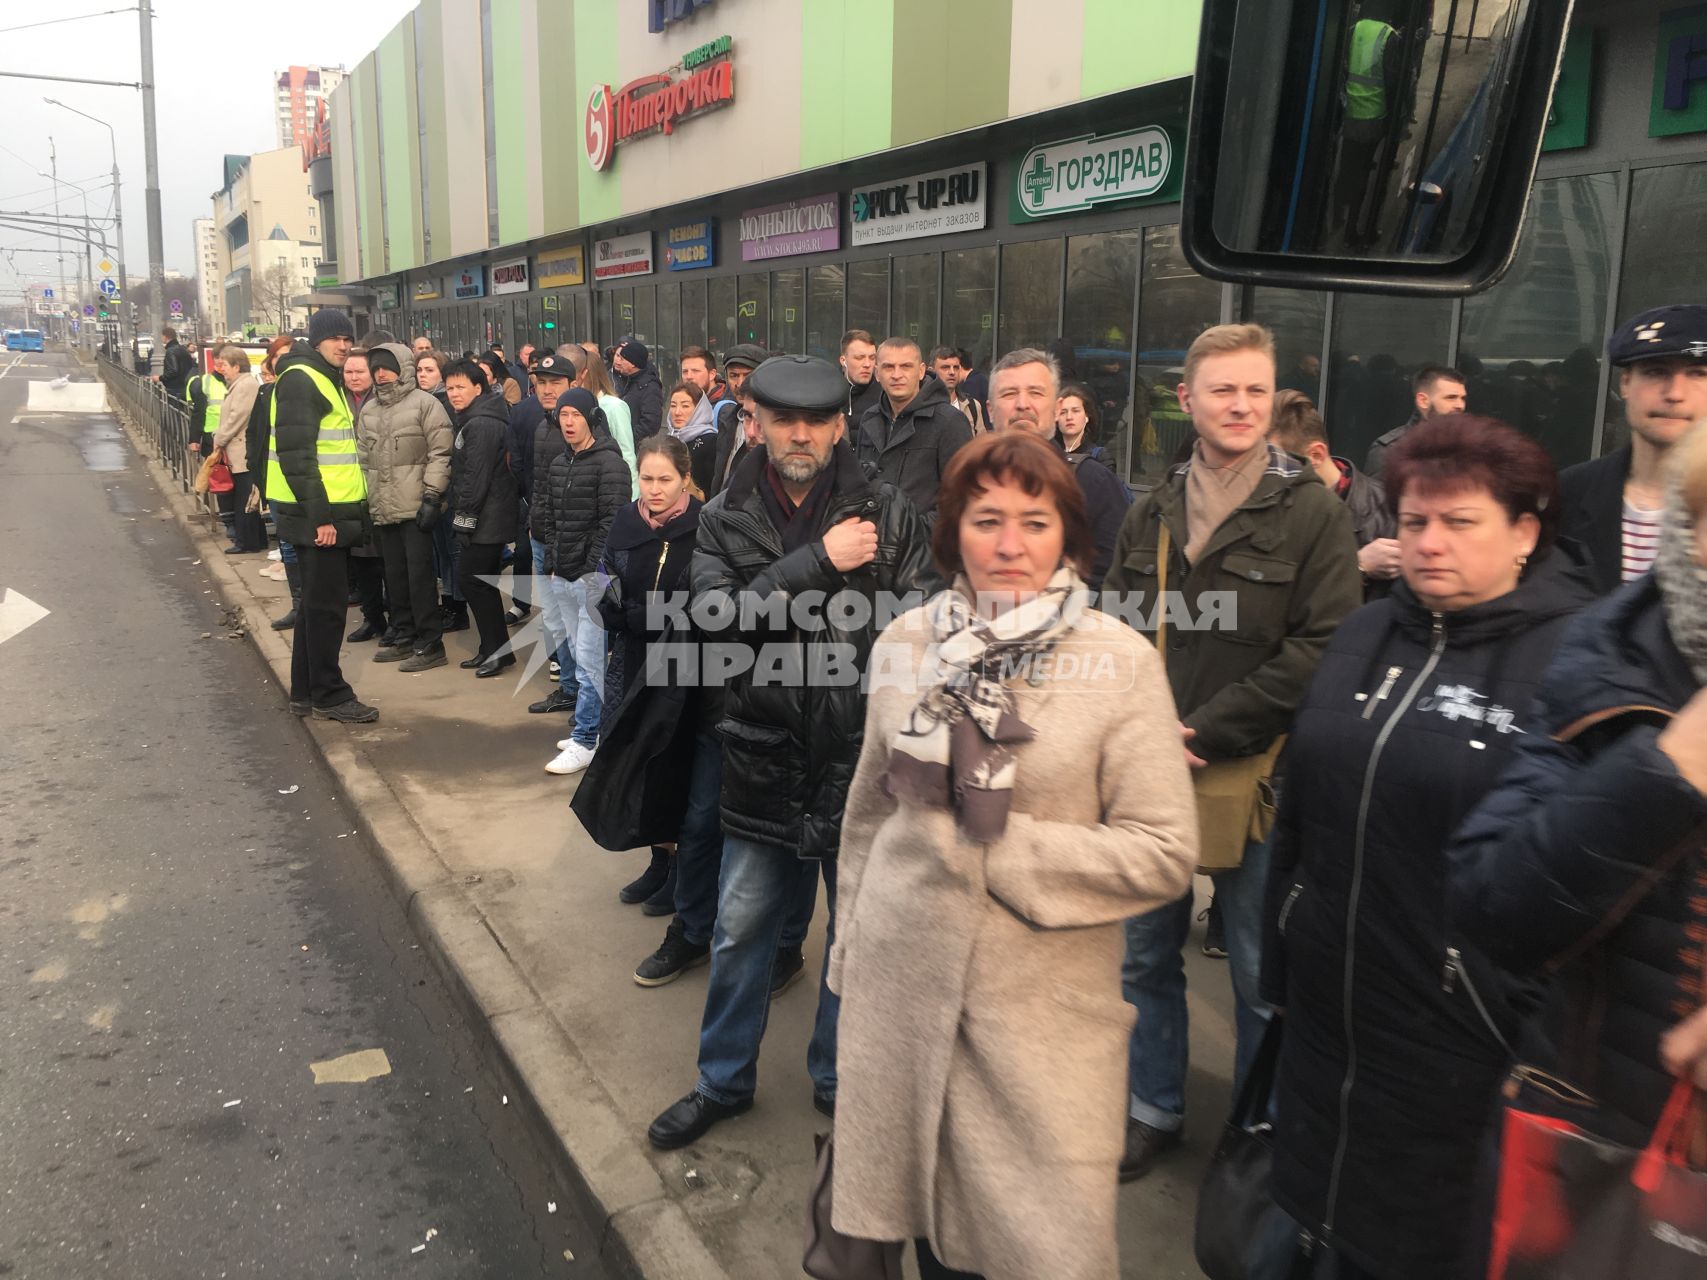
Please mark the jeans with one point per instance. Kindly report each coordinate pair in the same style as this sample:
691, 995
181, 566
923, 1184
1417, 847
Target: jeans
759, 892
315, 675
586, 642
551, 621
1153, 978
446, 552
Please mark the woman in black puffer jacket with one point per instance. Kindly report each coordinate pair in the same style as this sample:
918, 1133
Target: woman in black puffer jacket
483, 497
1395, 1034
1588, 864
583, 491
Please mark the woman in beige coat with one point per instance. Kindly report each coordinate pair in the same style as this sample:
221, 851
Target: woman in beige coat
1022, 790
248, 530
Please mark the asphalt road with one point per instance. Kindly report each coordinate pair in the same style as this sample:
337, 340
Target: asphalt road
181, 939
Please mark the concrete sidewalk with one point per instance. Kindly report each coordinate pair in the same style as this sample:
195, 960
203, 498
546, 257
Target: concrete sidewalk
520, 911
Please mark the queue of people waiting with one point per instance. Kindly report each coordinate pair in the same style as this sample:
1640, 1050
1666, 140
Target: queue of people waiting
1437, 738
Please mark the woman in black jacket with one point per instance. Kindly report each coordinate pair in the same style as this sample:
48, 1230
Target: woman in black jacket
1586, 865
582, 492
483, 496
1396, 1036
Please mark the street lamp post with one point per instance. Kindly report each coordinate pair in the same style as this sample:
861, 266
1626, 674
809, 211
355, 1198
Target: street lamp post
118, 210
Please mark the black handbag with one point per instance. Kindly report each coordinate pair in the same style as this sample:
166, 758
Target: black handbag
1241, 1234
829, 1254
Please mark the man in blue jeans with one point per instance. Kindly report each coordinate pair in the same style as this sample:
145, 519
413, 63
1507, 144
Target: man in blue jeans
1261, 566
804, 559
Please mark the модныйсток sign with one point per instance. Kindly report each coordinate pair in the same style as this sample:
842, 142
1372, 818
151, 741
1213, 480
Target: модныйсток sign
929, 204
1077, 173
809, 225
658, 103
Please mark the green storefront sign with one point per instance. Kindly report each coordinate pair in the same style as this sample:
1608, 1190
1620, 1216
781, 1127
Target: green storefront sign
1680, 74
1139, 166
1573, 95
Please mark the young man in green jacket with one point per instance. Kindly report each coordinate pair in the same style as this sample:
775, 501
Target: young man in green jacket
1261, 566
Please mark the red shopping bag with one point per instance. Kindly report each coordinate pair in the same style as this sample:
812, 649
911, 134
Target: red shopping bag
219, 476
1575, 1207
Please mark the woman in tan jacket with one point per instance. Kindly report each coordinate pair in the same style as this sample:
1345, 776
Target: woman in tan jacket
1021, 792
231, 363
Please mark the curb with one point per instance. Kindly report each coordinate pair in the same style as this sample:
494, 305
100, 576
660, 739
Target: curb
643, 1231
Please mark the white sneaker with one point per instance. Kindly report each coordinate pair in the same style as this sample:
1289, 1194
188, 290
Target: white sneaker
573, 758
274, 554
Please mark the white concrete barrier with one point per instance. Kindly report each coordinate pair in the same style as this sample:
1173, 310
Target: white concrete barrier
72, 397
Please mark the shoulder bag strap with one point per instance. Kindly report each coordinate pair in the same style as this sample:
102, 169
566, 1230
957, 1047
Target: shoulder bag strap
1163, 547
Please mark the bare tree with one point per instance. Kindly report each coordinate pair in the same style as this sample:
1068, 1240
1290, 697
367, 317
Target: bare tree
273, 290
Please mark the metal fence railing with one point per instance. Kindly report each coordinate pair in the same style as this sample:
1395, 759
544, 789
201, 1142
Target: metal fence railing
164, 420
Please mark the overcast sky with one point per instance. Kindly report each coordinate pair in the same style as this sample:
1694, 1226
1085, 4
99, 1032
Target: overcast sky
213, 69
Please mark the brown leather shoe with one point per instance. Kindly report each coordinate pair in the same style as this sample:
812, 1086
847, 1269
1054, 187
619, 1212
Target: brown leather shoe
1144, 1146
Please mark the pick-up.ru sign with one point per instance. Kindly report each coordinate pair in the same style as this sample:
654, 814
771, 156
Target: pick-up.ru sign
1075, 174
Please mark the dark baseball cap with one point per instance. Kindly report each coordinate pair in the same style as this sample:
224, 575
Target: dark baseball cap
552, 365
1677, 330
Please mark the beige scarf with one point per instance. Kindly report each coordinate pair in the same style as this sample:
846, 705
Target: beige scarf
1214, 493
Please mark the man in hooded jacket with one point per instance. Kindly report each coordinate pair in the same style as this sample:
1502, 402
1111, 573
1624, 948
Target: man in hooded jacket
403, 438
638, 385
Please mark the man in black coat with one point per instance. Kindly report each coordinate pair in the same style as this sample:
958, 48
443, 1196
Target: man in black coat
799, 522
637, 383
1435, 391
176, 364
732, 429
912, 431
859, 367
1025, 388
1612, 505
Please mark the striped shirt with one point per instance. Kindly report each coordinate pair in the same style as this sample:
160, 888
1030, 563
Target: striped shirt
1641, 540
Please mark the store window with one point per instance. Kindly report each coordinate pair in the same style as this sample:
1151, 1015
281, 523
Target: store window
753, 309
622, 314
1379, 342
1175, 304
694, 331
868, 297
1531, 345
826, 299
916, 298
788, 311
604, 327
1667, 207
669, 347
1297, 318
969, 303
720, 304
1031, 295
646, 318
1102, 292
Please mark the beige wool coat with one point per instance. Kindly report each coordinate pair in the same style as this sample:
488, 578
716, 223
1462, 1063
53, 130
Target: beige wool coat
982, 1045
232, 432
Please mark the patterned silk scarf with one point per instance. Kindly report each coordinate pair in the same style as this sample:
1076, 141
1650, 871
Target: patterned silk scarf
1683, 582
957, 749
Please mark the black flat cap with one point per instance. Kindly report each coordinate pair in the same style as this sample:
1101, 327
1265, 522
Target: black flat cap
809, 384
552, 365
746, 353
1679, 330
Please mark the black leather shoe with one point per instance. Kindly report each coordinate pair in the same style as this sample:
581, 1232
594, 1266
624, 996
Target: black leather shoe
235, 550
1144, 1146
690, 1119
285, 623
515, 617
492, 666
367, 631
469, 664
395, 652
556, 700
303, 708
824, 1103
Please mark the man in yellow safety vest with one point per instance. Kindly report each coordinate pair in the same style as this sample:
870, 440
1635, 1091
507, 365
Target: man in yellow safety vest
1371, 78
204, 392
318, 495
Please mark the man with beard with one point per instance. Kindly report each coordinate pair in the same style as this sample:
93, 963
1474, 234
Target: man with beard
1612, 505
798, 523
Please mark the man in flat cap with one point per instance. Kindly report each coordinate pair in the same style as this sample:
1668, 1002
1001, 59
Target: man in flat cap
638, 385
798, 526
738, 366
1612, 505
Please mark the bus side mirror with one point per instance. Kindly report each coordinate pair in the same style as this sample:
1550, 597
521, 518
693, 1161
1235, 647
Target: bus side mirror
1367, 145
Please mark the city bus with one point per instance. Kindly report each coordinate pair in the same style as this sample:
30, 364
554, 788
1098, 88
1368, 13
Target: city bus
23, 340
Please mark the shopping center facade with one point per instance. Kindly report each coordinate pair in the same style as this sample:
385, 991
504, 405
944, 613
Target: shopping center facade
985, 174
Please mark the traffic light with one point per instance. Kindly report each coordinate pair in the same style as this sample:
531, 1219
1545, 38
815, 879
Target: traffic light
548, 324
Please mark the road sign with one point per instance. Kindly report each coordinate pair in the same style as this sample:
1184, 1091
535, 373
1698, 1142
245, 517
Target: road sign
177, 307
107, 287
88, 310
105, 266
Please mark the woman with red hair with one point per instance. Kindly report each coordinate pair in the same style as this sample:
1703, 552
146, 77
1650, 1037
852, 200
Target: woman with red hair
1396, 1036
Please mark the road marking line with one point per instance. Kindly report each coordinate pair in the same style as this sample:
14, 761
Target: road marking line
16, 361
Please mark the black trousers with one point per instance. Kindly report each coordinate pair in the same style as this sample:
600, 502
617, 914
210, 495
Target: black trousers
930, 1268
367, 574
481, 560
521, 568
248, 530
315, 675
411, 585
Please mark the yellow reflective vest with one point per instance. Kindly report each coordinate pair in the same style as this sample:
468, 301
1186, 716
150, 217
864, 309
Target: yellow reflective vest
213, 392
334, 449
1365, 85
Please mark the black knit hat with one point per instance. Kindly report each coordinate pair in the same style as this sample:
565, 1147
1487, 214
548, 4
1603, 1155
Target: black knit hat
329, 322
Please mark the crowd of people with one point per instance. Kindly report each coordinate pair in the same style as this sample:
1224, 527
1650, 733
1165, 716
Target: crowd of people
1433, 728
